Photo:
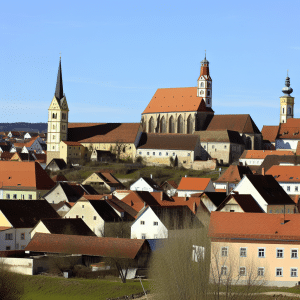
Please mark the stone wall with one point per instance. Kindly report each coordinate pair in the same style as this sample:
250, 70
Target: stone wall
204, 164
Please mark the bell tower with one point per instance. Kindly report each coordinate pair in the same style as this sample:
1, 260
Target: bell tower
286, 102
204, 86
57, 119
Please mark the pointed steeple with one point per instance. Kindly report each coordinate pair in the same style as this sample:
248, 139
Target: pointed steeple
59, 92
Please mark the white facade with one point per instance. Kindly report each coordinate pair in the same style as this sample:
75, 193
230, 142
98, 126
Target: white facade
291, 188
148, 226
14, 238
142, 185
251, 161
286, 144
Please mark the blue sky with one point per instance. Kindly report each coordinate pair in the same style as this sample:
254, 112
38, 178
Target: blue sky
115, 54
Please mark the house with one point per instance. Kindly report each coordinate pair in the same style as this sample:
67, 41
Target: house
169, 187
41, 159
102, 155
104, 181
32, 145
267, 192
160, 222
231, 177
169, 149
190, 185
288, 134
62, 226
267, 245
145, 184
61, 207
17, 218
23, 180
56, 164
95, 213
18, 156
240, 203
212, 200
71, 152
120, 194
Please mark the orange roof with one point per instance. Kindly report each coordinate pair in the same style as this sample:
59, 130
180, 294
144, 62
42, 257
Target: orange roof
254, 226
72, 143
290, 129
24, 175
269, 133
27, 144
193, 184
285, 173
220, 190
234, 174
191, 202
261, 154
175, 100
4, 228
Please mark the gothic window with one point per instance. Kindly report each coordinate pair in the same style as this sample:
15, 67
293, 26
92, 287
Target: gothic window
189, 125
151, 125
163, 125
171, 125
180, 124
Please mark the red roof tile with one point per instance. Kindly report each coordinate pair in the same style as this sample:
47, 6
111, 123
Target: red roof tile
72, 143
193, 184
261, 154
269, 133
285, 173
290, 129
234, 174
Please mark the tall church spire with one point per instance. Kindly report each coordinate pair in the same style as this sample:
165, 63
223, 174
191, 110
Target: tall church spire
59, 92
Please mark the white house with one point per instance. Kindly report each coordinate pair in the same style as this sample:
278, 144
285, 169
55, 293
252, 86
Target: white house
145, 184
191, 185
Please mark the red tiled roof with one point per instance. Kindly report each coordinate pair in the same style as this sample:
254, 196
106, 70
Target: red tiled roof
269, 133
86, 245
176, 100
234, 174
285, 173
289, 130
193, 184
254, 226
220, 190
72, 143
261, 154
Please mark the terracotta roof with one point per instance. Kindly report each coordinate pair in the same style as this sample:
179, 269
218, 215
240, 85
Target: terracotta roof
224, 136
239, 123
29, 175
191, 202
168, 141
59, 178
86, 245
269, 133
41, 158
220, 190
246, 202
234, 174
126, 208
285, 173
4, 228
261, 154
72, 143
176, 100
254, 226
193, 184
295, 198
289, 130
103, 132
298, 149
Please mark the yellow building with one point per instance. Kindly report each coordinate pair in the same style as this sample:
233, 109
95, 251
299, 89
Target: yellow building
71, 152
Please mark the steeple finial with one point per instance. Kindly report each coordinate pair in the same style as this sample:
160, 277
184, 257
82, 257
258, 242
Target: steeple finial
287, 89
59, 93
205, 54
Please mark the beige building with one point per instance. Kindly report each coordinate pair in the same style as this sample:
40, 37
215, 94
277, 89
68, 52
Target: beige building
71, 152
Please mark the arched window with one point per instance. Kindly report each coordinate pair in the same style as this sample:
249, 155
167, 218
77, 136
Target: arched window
180, 124
54, 116
171, 125
151, 125
201, 92
289, 110
202, 84
283, 110
163, 125
189, 125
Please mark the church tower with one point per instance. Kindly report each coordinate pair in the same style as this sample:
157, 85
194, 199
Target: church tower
286, 102
57, 119
204, 87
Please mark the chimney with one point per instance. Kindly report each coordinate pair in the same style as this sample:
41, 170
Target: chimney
161, 196
263, 171
227, 188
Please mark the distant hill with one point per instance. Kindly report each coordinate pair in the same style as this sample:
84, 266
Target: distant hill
22, 126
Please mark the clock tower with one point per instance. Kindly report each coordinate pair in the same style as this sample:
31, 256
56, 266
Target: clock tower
286, 102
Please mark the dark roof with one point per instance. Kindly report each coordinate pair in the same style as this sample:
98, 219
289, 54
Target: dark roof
156, 244
26, 213
25, 156
239, 123
59, 178
59, 162
88, 188
168, 141
57, 206
5, 148
125, 207
105, 211
270, 189
246, 202
152, 183
59, 93
6, 155
234, 174
223, 136
215, 197
68, 226
87, 245
172, 183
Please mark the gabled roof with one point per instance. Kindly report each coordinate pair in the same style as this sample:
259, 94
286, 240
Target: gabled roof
261, 154
176, 100
269, 133
86, 245
234, 174
26, 213
6, 155
29, 175
168, 141
220, 136
215, 197
67, 226
103, 132
5, 148
122, 206
246, 202
59, 178
289, 130
22, 157
193, 184
239, 123
59, 162
57, 206
110, 179
171, 183
105, 211
285, 173
150, 182
254, 226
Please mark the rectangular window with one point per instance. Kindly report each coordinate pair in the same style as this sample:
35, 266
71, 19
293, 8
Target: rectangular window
23, 247
261, 272
7, 196
173, 153
82, 217
224, 251
189, 154
155, 223
223, 270
296, 189
294, 272
288, 188
242, 271
77, 216
140, 153
153, 153
294, 253
22, 236
142, 222
261, 252
148, 153
29, 197
270, 211
243, 252
159, 153
82, 206
143, 236
8, 236
213, 146
279, 272
95, 218
7, 248
225, 146
167, 153
279, 253
14, 196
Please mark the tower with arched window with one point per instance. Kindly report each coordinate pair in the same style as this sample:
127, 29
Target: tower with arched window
57, 119
286, 102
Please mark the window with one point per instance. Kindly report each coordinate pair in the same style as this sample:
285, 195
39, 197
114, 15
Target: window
243, 252
7, 196
54, 137
288, 188
224, 251
294, 253
167, 153
294, 272
189, 154
8, 236
261, 252
7, 248
22, 236
202, 84
242, 271
143, 236
23, 247
148, 153
208, 93
223, 270
279, 253
225, 146
82, 206
142, 222
261, 272
14, 196
153, 153
140, 153
29, 197
204, 147
64, 116
207, 101
77, 216
82, 217
279, 271
159, 153
270, 211
95, 218
155, 223
213, 146
173, 153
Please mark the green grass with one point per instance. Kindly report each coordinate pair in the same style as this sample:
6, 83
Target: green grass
48, 288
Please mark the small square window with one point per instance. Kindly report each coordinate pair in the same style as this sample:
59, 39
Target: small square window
242, 271
189, 154
140, 153
143, 236
29, 197
243, 252
225, 146
14, 196
7, 248
224, 251
279, 272
142, 222
294, 253
279, 253
294, 272
159, 153
155, 223
95, 218
261, 272
153, 153
23, 247
7, 196
22, 236
296, 189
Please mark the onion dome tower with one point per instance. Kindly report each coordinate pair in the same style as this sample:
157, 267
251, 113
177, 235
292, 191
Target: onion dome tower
286, 102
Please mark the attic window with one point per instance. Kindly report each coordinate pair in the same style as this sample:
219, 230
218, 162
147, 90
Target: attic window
291, 177
19, 183
9, 177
